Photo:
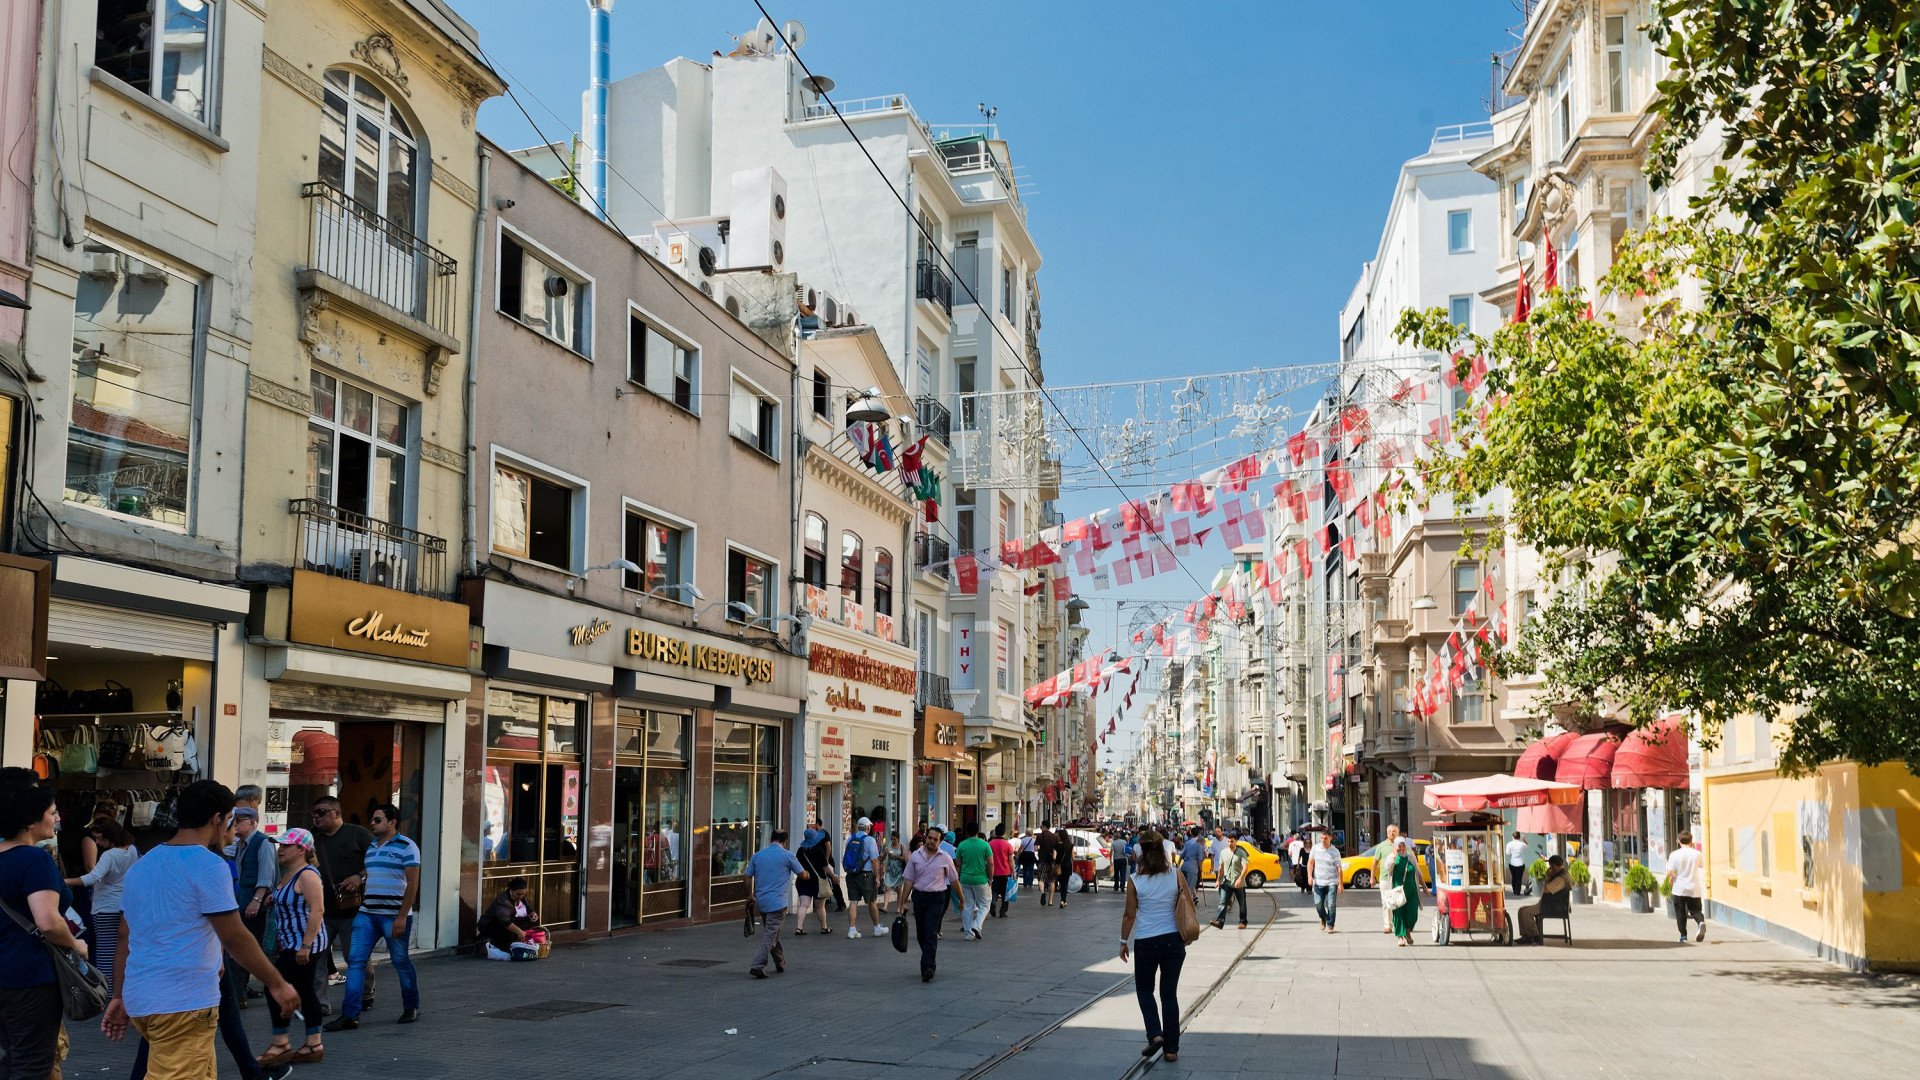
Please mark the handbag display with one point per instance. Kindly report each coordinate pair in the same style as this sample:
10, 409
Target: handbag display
1185, 915
78, 751
83, 991
140, 815
113, 748
51, 697
111, 698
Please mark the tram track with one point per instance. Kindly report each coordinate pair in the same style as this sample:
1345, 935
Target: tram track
1139, 1066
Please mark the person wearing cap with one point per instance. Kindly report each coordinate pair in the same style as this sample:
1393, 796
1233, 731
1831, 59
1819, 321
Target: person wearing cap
300, 932
862, 865
256, 867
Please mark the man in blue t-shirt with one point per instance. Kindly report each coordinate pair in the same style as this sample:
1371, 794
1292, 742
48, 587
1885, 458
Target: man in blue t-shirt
770, 875
178, 913
386, 912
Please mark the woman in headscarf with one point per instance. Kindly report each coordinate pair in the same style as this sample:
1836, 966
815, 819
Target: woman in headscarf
1405, 877
816, 854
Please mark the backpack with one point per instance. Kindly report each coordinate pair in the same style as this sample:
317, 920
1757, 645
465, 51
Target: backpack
855, 860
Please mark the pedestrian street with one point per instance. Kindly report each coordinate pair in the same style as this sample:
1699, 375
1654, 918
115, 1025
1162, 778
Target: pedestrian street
1622, 999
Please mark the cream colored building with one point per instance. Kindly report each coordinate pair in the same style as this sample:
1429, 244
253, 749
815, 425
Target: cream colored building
359, 475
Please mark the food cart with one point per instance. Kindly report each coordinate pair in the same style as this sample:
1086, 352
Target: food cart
1470, 889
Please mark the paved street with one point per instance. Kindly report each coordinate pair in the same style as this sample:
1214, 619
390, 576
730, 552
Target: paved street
1622, 1000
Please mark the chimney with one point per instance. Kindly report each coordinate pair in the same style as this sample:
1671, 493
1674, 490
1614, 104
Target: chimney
598, 63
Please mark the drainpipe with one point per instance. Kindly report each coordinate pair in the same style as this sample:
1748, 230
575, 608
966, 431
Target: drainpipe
599, 61
472, 539
797, 753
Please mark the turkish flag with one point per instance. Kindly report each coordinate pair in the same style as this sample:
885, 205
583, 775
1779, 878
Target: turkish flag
1550, 280
1349, 549
966, 571
1062, 589
1034, 589
1523, 301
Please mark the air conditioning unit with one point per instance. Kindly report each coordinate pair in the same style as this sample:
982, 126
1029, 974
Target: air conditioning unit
848, 318
758, 234
102, 265
375, 567
828, 309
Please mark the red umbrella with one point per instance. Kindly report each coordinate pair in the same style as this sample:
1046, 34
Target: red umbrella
1498, 792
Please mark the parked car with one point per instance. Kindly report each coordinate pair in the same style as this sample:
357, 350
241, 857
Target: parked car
1362, 871
1261, 866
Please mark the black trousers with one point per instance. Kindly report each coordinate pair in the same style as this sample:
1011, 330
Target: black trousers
286, 962
928, 910
1688, 907
997, 904
1162, 955
1518, 872
29, 1031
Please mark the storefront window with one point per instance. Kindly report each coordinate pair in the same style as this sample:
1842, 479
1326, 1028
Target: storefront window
1626, 841
533, 785
746, 800
650, 779
873, 785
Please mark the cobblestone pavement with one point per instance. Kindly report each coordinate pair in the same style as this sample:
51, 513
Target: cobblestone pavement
1624, 999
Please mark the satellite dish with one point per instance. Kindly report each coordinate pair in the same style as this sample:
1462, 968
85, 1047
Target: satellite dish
796, 32
817, 84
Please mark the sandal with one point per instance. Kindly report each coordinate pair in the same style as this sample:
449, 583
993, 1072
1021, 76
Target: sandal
307, 1055
272, 1055
799, 933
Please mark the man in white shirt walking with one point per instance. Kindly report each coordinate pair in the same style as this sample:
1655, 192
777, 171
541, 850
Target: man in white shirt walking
1683, 872
1517, 851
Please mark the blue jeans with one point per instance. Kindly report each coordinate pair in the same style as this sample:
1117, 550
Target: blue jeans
1324, 902
367, 928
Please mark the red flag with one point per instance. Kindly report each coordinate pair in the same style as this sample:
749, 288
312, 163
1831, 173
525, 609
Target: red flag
932, 511
1550, 280
1588, 313
966, 572
1349, 548
1523, 301
1034, 589
1323, 540
1074, 530
1304, 555
1040, 555
1010, 554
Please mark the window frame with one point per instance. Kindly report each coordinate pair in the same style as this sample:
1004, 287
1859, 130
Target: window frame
738, 379
1453, 585
807, 554
772, 586
1560, 112
680, 341
689, 549
215, 55
1616, 52
823, 395
1465, 246
1007, 305
1464, 323
884, 557
580, 506
853, 565
340, 431
583, 308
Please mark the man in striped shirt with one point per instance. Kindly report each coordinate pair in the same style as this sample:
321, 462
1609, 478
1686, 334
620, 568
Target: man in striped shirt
386, 914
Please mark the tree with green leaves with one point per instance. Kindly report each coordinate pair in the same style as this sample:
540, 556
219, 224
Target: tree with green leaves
1728, 461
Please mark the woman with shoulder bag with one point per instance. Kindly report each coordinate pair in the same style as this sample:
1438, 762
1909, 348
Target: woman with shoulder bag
1151, 930
300, 930
31, 888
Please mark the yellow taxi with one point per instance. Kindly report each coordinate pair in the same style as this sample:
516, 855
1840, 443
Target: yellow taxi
1362, 871
1261, 867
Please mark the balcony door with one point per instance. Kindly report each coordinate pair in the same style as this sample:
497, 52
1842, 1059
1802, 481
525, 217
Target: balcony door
357, 472
368, 153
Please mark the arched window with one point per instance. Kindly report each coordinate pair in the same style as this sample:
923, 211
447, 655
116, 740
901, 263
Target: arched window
814, 560
851, 565
367, 149
882, 581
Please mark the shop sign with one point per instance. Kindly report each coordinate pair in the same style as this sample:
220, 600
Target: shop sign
833, 758
25, 591
341, 614
941, 732
841, 664
588, 632
845, 698
648, 645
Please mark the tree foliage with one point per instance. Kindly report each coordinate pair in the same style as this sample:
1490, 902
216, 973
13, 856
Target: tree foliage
1729, 458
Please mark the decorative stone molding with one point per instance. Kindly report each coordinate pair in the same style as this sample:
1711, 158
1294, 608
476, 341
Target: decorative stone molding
274, 393
377, 52
456, 187
283, 69
443, 456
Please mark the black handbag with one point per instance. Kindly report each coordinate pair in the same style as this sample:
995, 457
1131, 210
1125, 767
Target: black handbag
51, 697
746, 924
111, 698
113, 748
83, 990
898, 932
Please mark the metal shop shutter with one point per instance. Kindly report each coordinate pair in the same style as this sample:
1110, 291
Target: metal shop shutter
74, 622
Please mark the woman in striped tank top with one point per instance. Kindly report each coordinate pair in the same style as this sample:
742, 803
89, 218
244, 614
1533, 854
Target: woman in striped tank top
300, 931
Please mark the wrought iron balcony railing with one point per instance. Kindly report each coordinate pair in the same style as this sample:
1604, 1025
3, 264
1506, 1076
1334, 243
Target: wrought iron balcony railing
354, 546
932, 283
932, 554
354, 245
934, 419
933, 690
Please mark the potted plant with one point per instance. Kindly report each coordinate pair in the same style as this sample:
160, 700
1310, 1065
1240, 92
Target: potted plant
1666, 891
1582, 876
1537, 871
1640, 885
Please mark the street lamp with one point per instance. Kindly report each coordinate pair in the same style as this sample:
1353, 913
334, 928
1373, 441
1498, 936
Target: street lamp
866, 408
628, 565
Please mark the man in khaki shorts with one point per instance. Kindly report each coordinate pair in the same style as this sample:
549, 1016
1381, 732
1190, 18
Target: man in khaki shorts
861, 865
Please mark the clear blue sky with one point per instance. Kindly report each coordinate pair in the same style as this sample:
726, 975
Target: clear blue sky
1206, 177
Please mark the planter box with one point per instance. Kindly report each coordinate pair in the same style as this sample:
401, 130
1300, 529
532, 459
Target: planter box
1582, 896
1639, 902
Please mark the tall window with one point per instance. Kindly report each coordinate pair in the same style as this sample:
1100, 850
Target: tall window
1466, 585
1470, 704
1460, 311
532, 792
813, 565
746, 800
1616, 63
177, 64
542, 297
357, 449
963, 521
367, 151
1006, 291
749, 582
534, 517
882, 582
755, 418
660, 550
662, 361
1002, 648
822, 395
651, 809
963, 371
852, 565
1006, 528
966, 264
137, 338
1398, 702
1459, 231
1560, 106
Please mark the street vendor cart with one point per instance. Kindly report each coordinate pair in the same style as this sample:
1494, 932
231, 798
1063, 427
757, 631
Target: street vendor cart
1470, 894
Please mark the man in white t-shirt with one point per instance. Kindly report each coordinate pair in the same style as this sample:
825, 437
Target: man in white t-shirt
1517, 852
1683, 872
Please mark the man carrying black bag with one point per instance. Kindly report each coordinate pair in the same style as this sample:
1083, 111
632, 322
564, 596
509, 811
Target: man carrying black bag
930, 878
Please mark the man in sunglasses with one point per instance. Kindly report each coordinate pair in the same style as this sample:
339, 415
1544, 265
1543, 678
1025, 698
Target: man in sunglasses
340, 848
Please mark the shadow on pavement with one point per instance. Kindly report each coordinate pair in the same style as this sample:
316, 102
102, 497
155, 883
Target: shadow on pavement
1873, 991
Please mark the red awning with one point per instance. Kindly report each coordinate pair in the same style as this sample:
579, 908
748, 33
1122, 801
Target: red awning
1497, 792
1588, 761
1654, 756
1564, 820
1541, 761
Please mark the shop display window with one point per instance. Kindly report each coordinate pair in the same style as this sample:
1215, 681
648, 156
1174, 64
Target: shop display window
746, 800
650, 803
533, 791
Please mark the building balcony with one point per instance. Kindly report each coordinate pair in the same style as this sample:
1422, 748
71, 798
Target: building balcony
931, 554
932, 691
345, 544
934, 419
383, 266
932, 283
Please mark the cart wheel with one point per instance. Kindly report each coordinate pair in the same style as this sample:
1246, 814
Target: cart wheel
1508, 938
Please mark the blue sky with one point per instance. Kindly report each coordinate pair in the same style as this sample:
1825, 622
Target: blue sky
1205, 178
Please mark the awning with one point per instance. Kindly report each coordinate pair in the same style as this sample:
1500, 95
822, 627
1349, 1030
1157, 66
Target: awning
1541, 761
1497, 792
1588, 761
1563, 820
1654, 756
